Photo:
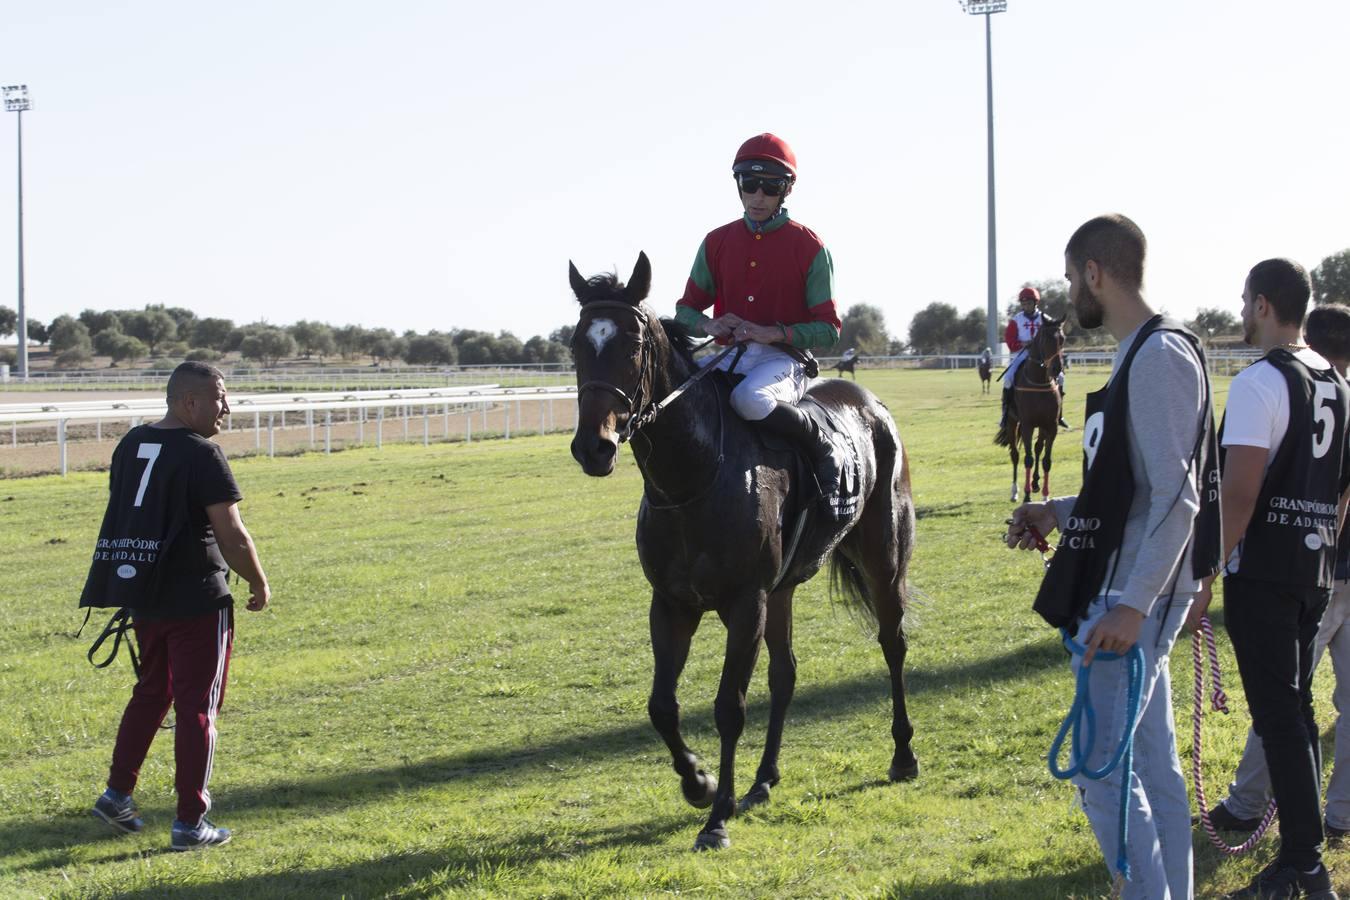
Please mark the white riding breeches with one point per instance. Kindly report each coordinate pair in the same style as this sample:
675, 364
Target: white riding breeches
1011, 375
770, 376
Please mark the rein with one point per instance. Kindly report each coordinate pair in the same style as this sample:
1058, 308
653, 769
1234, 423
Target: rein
1044, 363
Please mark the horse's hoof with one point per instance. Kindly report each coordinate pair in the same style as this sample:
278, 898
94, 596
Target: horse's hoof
754, 797
904, 773
700, 793
712, 840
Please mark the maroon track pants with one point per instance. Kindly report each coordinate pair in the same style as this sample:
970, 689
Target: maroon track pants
184, 663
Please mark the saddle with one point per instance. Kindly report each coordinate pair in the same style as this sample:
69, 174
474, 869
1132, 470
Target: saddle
804, 472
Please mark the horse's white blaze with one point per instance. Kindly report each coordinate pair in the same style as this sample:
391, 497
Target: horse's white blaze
600, 332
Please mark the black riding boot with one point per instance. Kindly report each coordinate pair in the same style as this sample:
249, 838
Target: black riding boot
1007, 405
790, 422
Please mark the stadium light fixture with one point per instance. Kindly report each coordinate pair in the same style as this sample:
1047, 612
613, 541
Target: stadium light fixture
16, 101
987, 8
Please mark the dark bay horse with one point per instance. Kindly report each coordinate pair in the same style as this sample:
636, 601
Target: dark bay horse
848, 363
1036, 408
984, 366
715, 525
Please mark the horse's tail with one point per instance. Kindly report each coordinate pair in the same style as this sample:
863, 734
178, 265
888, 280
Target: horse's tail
1004, 437
850, 588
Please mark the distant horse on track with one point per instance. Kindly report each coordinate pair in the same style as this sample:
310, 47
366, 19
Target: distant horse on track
848, 363
984, 366
715, 525
1036, 407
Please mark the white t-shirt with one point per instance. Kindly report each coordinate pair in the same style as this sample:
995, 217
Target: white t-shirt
1257, 414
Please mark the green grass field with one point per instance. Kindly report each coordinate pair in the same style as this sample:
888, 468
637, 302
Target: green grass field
448, 697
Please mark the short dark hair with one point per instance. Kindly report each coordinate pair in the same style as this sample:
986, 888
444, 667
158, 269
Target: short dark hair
1285, 285
1115, 243
1328, 331
191, 376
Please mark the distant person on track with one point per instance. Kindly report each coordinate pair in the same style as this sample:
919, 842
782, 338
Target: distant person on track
770, 283
174, 500
1134, 544
1285, 470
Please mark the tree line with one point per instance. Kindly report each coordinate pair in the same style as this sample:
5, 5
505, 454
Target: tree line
163, 333
940, 328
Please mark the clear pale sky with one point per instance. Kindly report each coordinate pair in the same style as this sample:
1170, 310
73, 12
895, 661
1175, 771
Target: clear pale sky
436, 164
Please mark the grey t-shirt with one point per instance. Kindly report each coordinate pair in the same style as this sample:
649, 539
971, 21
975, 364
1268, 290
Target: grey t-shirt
1166, 399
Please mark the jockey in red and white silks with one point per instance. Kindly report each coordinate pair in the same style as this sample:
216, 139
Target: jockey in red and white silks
1022, 328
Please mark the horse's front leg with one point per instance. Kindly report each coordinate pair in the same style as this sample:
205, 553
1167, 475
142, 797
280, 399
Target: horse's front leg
745, 629
1027, 464
1036, 468
672, 629
782, 683
1045, 481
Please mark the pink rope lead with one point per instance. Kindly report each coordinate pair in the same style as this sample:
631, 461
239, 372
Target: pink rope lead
1219, 701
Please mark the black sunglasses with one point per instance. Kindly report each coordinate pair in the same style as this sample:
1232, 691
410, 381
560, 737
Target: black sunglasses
772, 187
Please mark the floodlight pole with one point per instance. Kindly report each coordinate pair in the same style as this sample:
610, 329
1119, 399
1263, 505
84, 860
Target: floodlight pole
987, 8
16, 100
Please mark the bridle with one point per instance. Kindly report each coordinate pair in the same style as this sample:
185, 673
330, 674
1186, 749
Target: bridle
1044, 363
642, 409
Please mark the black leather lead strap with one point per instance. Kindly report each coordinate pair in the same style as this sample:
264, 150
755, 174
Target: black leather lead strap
116, 629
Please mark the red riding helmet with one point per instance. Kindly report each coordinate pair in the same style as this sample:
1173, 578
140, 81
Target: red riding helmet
766, 154
1029, 293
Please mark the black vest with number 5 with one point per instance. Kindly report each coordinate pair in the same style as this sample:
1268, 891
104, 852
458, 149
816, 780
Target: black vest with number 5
1291, 538
1095, 529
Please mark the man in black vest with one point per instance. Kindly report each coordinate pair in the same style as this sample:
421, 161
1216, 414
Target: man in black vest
171, 528
1285, 471
1327, 331
1134, 545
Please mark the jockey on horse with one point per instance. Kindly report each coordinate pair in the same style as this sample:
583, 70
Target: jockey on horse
770, 283
1022, 328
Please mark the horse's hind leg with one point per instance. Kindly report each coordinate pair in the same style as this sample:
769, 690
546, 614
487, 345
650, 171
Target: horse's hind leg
880, 548
1012, 454
672, 630
782, 682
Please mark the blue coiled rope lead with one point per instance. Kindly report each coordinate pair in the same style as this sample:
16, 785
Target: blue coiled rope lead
1082, 712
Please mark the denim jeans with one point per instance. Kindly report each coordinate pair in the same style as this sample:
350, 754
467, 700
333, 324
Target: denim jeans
1250, 793
1159, 817
1273, 627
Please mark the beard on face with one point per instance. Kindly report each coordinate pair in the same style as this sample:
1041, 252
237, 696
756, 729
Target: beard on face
1087, 307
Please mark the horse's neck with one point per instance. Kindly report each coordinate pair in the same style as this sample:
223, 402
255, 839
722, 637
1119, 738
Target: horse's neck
678, 451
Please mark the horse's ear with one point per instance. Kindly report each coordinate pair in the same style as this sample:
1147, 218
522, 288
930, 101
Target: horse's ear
641, 282
578, 283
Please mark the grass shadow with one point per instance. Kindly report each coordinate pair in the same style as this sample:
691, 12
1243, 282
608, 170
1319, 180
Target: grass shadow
340, 790
458, 865
1088, 880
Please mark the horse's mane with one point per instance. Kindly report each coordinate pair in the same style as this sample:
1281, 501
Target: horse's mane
682, 340
605, 286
